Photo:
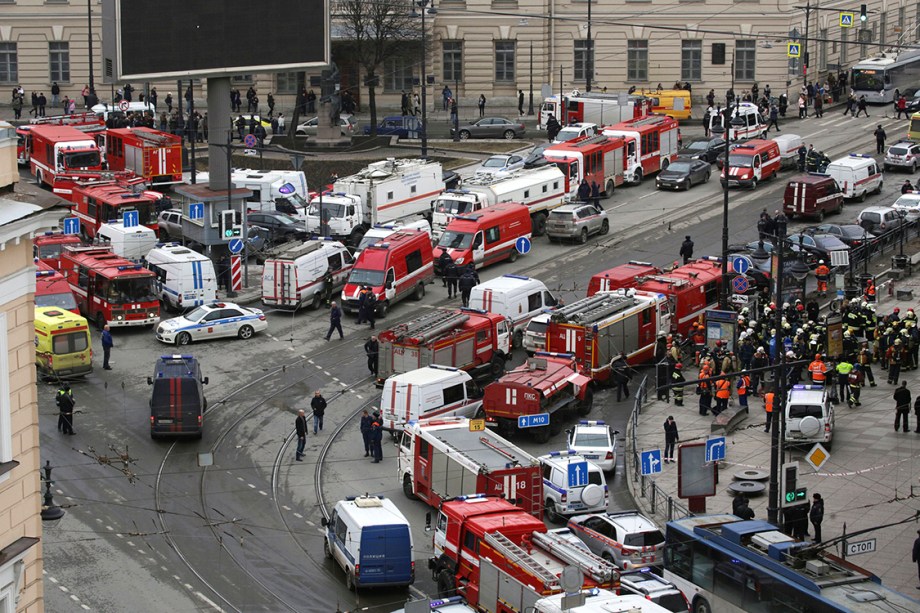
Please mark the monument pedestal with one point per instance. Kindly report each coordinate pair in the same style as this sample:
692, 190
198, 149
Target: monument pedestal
328, 136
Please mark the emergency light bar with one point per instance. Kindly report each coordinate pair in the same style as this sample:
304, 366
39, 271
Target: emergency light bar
592, 422
639, 263
556, 454
43, 273
521, 277
860, 155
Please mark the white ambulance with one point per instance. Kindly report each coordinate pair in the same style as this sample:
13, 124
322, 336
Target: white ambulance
296, 277
424, 393
518, 298
185, 278
132, 243
856, 174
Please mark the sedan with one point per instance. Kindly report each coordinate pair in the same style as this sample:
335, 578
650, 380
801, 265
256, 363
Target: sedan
215, 320
491, 127
850, 234
500, 164
627, 538
703, 148
595, 441
683, 174
347, 126
909, 206
819, 246
281, 227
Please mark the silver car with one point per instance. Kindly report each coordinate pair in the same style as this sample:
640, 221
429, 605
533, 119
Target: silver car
577, 221
170, 224
627, 538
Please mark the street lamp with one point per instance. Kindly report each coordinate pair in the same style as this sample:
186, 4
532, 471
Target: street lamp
736, 123
91, 99
423, 4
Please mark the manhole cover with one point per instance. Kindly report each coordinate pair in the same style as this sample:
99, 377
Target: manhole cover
751, 475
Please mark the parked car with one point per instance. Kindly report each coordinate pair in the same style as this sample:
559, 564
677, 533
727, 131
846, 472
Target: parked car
628, 538
879, 219
913, 104
500, 164
575, 130
904, 155
850, 234
577, 221
281, 227
594, 440
247, 117
683, 174
215, 320
347, 126
535, 158
395, 125
909, 204
819, 245
491, 127
170, 224
703, 148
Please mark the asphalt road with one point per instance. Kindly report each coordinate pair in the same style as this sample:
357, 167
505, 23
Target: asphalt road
243, 534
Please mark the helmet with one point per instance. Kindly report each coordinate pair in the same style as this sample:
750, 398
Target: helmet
678, 365
897, 341
864, 304
760, 350
818, 356
790, 354
799, 306
820, 261
785, 305
846, 334
897, 310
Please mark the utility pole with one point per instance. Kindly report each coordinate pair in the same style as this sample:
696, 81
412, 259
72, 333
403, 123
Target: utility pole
589, 53
89, 40
530, 98
805, 45
779, 379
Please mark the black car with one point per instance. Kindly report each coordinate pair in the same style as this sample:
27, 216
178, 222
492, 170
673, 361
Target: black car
281, 227
913, 104
703, 148
849, 234
683, 174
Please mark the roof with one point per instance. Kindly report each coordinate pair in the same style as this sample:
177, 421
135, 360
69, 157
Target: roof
373, 510
509, 282
632, 521
428, 375
486, 448
811, 179
67, 133
489, 213
175, 253
542, 373
176, 366
19, 219
626, 272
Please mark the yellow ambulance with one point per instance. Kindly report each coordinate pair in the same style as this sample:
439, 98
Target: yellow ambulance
674, 103
62, 343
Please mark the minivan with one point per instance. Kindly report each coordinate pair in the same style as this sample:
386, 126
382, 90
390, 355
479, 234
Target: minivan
809, 416
857, 175
812, 195
297, 276
879, 219
516, 297
177, 404
487, 236
426, 393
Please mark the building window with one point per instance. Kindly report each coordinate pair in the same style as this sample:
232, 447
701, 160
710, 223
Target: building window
745, 58
241, 78
822, 50
883, 30
452, 51
691, 60
399, 75
902, 17
287, 82
59, 55
637, 60
584, 60
9, 65
504, 60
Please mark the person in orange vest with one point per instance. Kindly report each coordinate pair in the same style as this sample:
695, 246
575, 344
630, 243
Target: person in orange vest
768, 407
823, 273
818, 369
743, 385
870, 291
723, 393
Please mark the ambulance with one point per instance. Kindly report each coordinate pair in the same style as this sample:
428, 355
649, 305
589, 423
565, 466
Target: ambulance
185, 278
751, 163
62, 343
857, 175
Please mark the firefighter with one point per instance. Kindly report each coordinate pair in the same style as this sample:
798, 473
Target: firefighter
817, 369
869, 295
822, 272
63, 403
895, 357
723, 393
362, 298
768, 409
758, 361
677, 377
855, 383
865, 363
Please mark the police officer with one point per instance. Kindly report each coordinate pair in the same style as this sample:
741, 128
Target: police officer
619, 371
452, 276
370, 307
362, 299
377, 438
686, 249
467, 283
367, 432
66, 404
64, 391
372, 350
444, 262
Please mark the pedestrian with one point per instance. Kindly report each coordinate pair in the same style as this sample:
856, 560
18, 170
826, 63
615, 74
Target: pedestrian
879, 139
60, 400
281, 131
744, 510
894, 356
451, 275
723, 393
444, 260
707, 119
768, 409
619, 372
55, 94
467, 283
377, 438
482, 105
416, 104
370, 308
819, 106
521, 102
803, 108
901, 106
169, 102
107, 344
404, 103
670, 438
271, 104
816, 515
595, 194
902, 406
300, 425
318, 404
453, 111
677, 377
856, 380
17, 107
774, 118
366, 432
446, 95
686, 249
584, 191
552, 128
915, 556
372, 350
862, 106
362, 298
335, 321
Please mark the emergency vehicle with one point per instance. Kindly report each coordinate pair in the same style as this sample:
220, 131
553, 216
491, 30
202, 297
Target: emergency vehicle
485, 237
593, 107
691, 289
751, 163
185, 278
503, 560
857, 175
609, 325
52, 289
469, 339
99, 202
751, 125
156, 156
132, 242
297, 276
86, 122
602, 601
58, 152
110, 289
47, 247
651, 144
676, 103
426, 393
597, 159
547, 383
442, 458
812, 195
62, 343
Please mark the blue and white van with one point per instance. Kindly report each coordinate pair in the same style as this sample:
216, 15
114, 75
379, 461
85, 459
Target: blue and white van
372, 542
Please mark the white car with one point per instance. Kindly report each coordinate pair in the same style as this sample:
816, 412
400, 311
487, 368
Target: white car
501, 164
212, 321
562, 499
909, 204
595, 441
575, 130
310, 127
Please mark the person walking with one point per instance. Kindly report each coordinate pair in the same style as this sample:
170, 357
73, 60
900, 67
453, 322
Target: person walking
453, 112
677, 377
902, 406
300, 425
366, 432
467, 283
482, 106
42, 103
372, 350
521, 102
318, 404
862, 106
619, 371
723, 393
377, 438
335, 321
774, 119
107, 344
879, 139
915, 556
446, 95
686, 249
552, 128
816, 515
670, 438
768, 409
819, 106
60, 400
856, 380
66, 404
901, 106
17, 107
452, 276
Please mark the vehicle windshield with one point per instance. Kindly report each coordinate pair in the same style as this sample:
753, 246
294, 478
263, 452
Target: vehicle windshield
367, 241
872, 80
679, 167
50, 251
146, 212
739, 161
332, 210
566, 134
590, 439
455, 240
495, 163
907, 201
81, 159
699, 145
64, 300
798, 411
71, 342
196, 315
537, 327
898, 151
452, 207
644, 539
361, 276
136, 289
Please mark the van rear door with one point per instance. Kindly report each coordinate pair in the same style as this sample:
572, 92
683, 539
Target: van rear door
386, 555
176, 406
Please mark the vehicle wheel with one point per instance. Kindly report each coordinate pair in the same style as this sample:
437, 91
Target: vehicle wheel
246, 332
183, 338
464, 134
382, 309
317, 301
555, 423
820, 216
517, 339
349, 581
419, 292
584, 406
701, 605
538, 224
754, 183
583, 237
840, 207
163, 236
550, 510
638, 176
862, 197
407, 488
608, 189
497, 366
506, 427
509, 134
446, 584
606, 555
100, 321
887, 167
688, 185
513, 256
878, 190
326, 551
605, 227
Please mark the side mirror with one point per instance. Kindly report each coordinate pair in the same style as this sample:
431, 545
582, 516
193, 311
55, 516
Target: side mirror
389, 284
324, 522
149, 380
205, 380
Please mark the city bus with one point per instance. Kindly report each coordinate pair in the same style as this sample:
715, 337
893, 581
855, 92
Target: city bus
724, 564
876, 78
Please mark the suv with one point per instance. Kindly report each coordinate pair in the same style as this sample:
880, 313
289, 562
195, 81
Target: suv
563, 500
595, 440
628, 538
535, 334
903, 154
809, 416
879, 219
281, 227
170, 224
177, 404
578, 221
575, 130
655, 588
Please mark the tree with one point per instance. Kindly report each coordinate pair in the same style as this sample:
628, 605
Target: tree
374, 32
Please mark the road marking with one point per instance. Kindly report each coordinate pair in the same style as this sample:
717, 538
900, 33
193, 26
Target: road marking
298, 515
208, 601
63, 589
359, 396
310, 523
327, 373
286, 508
647, 195
74, 598
263, 492
251, 485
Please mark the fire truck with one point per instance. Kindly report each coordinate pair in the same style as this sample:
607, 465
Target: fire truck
52, 289
598, 158
609, 325
59, 153
110, 289
503, 560
47, 247
594, 107
547, 383
442, 458
651, 144
690, 289
99, 202
156, 156
86, 122
468, 339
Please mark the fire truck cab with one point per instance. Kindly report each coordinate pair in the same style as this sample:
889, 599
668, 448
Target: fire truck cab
99, 202
47, 247
59, 150
651, 144
597, 159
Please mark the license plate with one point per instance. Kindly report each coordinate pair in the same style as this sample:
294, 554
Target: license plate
164, 421
591, 457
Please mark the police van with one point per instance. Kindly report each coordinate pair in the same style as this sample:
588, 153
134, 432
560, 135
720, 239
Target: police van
132, 243
518, 298
424, 393
177, 403
185, 278
809, 416
857, 175
371, 540
561, 500
297, 276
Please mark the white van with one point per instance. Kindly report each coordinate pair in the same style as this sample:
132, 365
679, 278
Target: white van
106, 110
381, 232
185, 278
753, 125
424, 393
296, 276
788, 149
132, 243
268, 185
517, 298
809, 416
856, 175
563, 499
372, 541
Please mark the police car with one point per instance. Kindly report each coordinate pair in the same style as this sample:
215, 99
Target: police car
561, 498
595, 441
212, 321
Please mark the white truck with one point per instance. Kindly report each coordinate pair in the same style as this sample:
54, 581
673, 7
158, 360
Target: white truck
297, 276
385, 192
282, 190
132, 243
426, 393
541, 189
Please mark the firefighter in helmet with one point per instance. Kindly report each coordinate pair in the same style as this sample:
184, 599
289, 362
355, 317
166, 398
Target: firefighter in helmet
677, 377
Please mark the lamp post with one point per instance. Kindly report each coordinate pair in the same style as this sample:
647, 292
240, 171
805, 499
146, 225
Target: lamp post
589, 53
736, 122
91, 99
423, 5
530, 97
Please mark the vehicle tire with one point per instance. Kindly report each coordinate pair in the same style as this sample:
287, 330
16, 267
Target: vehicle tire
605, 227
517, 339
163, 235
606, 555
753, 183
584, 406
820, 216
878, 190
506, 427
538, 224
246, 332
349, 581
887, 167
447, 586
419, 292
464, 134
100, 321
862, 197
913, 168
356, 236
407, 488
549, 509
701, 605
688, 185
326, 551
638, 177
583, 236
541, 434
609, 189
513, 255
508, 135
840, 207
497, 366
183, 338
555, 423
317, 301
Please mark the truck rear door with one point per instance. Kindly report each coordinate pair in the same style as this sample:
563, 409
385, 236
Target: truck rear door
406, 358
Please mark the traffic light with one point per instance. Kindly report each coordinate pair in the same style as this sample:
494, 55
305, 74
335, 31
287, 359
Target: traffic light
228, 227
792, 495
863, 13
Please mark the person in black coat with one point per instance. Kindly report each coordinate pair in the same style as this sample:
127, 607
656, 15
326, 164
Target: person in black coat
686, 249
370, 308
366, 432
318, 404
552, 128
66, 405
816, 515
335, 321
467, 283
444, 261
915, 555
670, 438
584, 191
377, 438
300, 424
372, 350
619, 373
452, 276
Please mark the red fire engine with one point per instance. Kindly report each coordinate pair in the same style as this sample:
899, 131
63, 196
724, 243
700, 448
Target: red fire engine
47, 247
691, 288
593, 107
546, 383
599, 158
156, 156
59, 154
651, 144
52, 289
503, 560
86, 122
110, 289
99, 202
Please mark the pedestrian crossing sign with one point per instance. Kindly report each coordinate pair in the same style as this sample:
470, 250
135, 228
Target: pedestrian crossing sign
793, 49
846, 20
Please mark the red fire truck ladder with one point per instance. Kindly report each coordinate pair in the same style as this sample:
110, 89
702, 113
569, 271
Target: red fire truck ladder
597, 139
429, 326
672, 281
647, 121
591, 309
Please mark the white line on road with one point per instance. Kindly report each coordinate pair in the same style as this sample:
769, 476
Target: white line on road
251, 485
327, 373
210, 602
298, 515
286, 508
309, 523
647, 195
264, 493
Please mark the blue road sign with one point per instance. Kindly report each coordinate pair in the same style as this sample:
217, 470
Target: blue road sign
793, 49
741, 264
651, 462
71, 225
250, 140
846, 20
578, 474
715, 449
533, 421
235, 245
130, 219
196, 210
522, 245
740, 284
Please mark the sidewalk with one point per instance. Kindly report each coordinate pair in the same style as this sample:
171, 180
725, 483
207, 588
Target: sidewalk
869, 480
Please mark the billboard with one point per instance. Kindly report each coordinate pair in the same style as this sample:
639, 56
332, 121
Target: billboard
145, 40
